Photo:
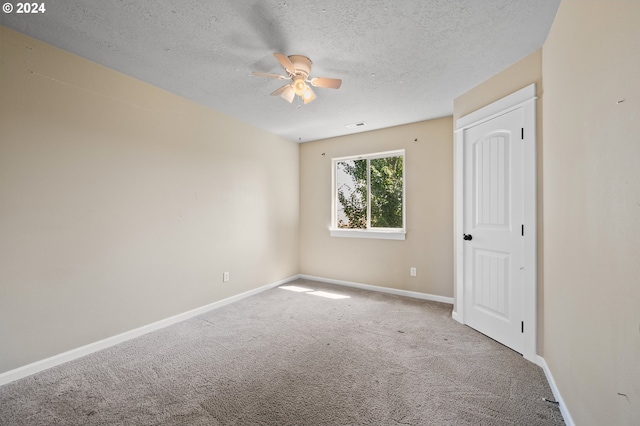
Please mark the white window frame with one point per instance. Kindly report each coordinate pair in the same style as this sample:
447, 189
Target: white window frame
378, 233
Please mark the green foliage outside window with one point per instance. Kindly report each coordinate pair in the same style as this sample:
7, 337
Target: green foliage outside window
385, 177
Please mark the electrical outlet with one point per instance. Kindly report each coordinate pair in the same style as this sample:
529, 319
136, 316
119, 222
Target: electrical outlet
413, 272
225, 277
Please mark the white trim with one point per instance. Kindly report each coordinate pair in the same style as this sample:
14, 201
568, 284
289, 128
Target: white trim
38, 366
368, 233
458, 217
525, 99
499, 107
406, 293
530, 292
568, 420
373, 155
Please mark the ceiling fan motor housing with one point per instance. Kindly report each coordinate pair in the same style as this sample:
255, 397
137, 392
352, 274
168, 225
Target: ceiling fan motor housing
302, 65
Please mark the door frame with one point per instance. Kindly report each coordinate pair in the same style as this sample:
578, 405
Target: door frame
524, 98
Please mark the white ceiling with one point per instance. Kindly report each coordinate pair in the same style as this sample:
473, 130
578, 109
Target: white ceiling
401, 61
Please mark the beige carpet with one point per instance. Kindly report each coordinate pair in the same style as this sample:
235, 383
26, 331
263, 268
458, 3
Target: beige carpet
293, 358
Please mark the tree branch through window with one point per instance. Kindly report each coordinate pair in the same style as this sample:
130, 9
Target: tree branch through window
369, 192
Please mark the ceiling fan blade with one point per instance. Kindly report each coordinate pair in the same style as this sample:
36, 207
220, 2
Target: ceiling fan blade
308, 95
279, 90
288, 93
264, 74
329, 83
285, 62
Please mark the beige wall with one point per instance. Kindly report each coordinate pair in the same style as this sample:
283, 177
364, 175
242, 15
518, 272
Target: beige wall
592, 209
515, 77
429, 216
521, 74
122, 204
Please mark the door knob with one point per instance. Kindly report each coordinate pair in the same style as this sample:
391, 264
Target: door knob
467, 237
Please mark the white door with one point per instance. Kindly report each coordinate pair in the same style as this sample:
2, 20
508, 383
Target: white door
493, 212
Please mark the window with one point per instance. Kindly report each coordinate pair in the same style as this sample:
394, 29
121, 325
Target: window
369, 196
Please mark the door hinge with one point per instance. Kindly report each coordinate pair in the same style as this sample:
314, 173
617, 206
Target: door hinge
522, 327
522, 133
522, 230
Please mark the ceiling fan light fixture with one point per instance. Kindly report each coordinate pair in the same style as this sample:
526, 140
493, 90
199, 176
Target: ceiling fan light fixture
288, 94
299, 85
308, 95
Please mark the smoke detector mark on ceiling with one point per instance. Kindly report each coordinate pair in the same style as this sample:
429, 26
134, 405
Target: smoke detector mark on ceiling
356, 125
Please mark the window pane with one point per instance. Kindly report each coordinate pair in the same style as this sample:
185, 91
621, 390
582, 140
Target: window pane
386, 192
351, 187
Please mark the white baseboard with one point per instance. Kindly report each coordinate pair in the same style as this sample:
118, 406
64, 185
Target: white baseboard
406, 293
568, 420
456, 317
29, 369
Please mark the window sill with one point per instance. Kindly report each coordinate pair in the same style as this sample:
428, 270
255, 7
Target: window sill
367, 233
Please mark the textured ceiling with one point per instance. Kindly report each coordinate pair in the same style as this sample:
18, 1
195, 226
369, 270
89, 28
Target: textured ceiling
400, 61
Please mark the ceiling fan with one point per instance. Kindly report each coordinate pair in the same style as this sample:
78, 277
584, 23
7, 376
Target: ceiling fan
298, 68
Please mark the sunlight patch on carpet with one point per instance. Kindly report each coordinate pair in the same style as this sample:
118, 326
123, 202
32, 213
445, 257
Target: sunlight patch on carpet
295, 288
312, 291
329, 295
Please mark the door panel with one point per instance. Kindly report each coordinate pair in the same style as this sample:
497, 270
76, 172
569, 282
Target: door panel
493, 215
491, 161
492, 283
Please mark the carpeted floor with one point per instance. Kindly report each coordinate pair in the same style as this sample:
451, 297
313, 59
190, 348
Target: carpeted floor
292, 358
